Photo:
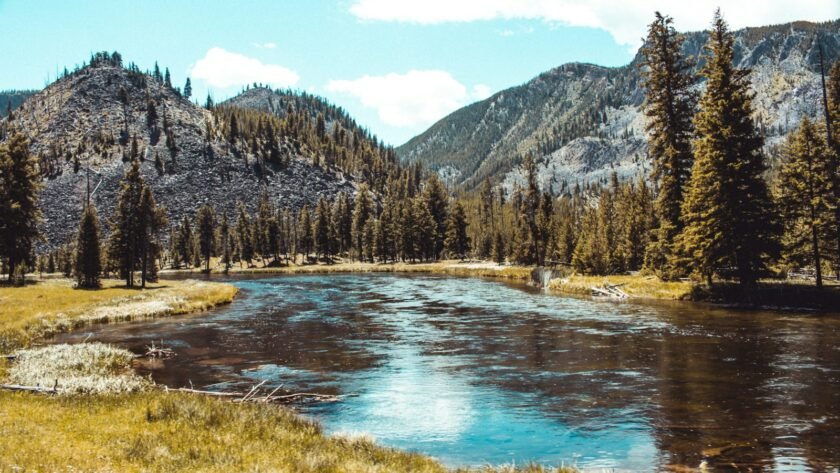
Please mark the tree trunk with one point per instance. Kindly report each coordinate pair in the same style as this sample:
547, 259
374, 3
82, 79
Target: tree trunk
815, 241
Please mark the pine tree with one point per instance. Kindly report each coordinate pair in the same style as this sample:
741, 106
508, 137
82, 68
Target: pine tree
437, 201
362, 211
187, 89
425, 229
151, 220
833, 124
225, 243
457, 243
19, 211
88, 260
123, 247
183, 245
167, 79
669, 107
499, 250
320, 128
206, 227
323, 237
305, 232
806, 196
727, 209
243, 236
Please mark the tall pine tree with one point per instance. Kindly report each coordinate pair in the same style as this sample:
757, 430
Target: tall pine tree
88, 259
19, 211
669, 107
729, 226
806, 197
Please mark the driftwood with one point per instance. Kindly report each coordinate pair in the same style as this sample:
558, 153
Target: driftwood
32, 389
271, 398
159, 352
9, 357
609, 290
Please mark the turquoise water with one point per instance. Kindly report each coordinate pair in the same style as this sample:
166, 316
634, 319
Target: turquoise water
478, 372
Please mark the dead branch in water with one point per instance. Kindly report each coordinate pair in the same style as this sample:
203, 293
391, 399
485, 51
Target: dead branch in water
251, 395
609, 290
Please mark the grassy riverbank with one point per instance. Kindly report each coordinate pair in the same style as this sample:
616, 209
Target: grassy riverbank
169, 432
767, 294
645, 287
51, 306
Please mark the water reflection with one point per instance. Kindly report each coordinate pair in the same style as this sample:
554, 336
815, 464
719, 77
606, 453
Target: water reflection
477, 372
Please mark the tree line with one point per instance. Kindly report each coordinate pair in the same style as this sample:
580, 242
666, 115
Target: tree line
709, 210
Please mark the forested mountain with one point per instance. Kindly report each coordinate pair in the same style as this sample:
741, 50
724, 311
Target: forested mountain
582, 122
11, 99
104, 114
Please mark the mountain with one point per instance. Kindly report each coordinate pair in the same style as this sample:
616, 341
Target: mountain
583, 121
98, 116
280, 102
11, 99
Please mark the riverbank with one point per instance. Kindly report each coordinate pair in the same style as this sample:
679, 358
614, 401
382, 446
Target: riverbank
49, 306
767, 294
448, 267
641, 287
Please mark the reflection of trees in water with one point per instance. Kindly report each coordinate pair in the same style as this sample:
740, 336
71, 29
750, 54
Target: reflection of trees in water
711, 386
712, 398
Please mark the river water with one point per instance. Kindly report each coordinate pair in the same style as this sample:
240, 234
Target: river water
477, 372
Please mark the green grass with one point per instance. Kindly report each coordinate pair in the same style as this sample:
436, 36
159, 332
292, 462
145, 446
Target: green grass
51, 306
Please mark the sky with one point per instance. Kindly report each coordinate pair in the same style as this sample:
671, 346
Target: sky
397, 66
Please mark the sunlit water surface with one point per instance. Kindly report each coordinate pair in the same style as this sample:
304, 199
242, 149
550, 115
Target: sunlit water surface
478, 372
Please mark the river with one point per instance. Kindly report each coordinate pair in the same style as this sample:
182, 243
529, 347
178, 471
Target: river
476, 372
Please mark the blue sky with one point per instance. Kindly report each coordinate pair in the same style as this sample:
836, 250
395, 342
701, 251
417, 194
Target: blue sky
396, 65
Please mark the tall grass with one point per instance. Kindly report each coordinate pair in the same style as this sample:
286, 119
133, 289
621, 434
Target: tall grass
52, 306
171, 432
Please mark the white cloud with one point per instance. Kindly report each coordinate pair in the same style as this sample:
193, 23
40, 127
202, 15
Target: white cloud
481, 91
404, 100
222, 69
626, 21
265, 45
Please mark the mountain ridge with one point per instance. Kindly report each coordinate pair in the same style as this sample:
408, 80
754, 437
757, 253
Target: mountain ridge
487, 139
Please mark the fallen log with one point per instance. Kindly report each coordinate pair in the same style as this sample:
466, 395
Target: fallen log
33, 389
207, 393
250, 396
9, 357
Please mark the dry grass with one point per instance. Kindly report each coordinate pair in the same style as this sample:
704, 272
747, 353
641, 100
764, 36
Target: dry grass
648, 287
86, 368
52, 306
169, 432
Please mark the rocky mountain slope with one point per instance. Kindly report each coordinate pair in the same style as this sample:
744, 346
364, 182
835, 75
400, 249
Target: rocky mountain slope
93, 117
583, 122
